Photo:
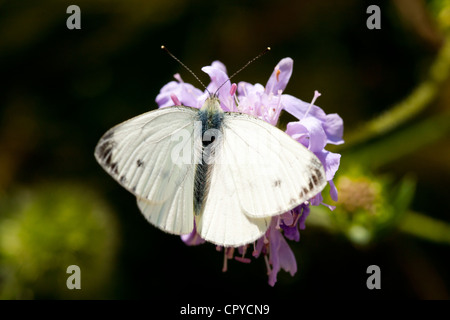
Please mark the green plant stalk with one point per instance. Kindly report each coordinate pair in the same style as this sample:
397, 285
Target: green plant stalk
425, 227
413, 223
402, 143
417, 101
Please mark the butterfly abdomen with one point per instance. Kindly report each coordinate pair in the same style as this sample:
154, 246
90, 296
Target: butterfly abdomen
211, 132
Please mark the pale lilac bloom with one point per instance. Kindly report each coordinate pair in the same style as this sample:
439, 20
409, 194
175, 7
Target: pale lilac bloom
193, 238
186, 93
314, 129
218, 74
277, 253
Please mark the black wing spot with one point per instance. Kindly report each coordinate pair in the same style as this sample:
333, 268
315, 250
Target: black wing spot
108, 135
105, 150
108, 160
304, 192
311, 185
277, 183
318, 173
105, 153
113, 167
123, 179
139, 163
315, 180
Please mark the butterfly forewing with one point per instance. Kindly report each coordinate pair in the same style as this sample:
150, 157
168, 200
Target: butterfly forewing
153, 156
272, 172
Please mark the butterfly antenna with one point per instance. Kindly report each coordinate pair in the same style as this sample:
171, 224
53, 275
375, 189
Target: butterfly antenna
190, 71
245, 66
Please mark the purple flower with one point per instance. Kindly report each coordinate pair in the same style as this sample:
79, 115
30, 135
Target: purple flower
314, 129
186, 93
193, 238
277, 253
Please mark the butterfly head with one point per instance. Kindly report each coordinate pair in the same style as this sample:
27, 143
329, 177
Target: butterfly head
212, 104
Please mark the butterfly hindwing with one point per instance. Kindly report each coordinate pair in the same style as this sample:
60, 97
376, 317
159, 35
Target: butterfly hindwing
176, 214
222, 220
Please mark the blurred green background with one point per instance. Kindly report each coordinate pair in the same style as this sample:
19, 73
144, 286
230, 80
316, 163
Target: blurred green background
62, 89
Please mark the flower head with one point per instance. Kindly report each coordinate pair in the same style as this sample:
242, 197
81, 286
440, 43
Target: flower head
313, 128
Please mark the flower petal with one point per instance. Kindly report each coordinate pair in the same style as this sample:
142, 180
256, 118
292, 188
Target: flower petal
298, 132
281, 256
280, 76
217, 73
290, 229
333, 191
330, 161
287, 218
317, 136
328, 206
193, 238
186, 93
218, 77
298, 108
317, 199
291, 232
305, 214
334, 128
250, 98
219, 65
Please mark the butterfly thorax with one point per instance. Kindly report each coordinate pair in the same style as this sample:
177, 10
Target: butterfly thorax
211, 116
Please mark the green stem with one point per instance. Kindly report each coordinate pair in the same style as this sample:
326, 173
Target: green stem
418, 100
412, 223
402, 143
425, 227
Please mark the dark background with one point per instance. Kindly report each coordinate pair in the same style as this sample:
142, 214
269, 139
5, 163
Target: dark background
62, 89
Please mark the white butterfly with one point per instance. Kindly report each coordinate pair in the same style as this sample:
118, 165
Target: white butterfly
230, 172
